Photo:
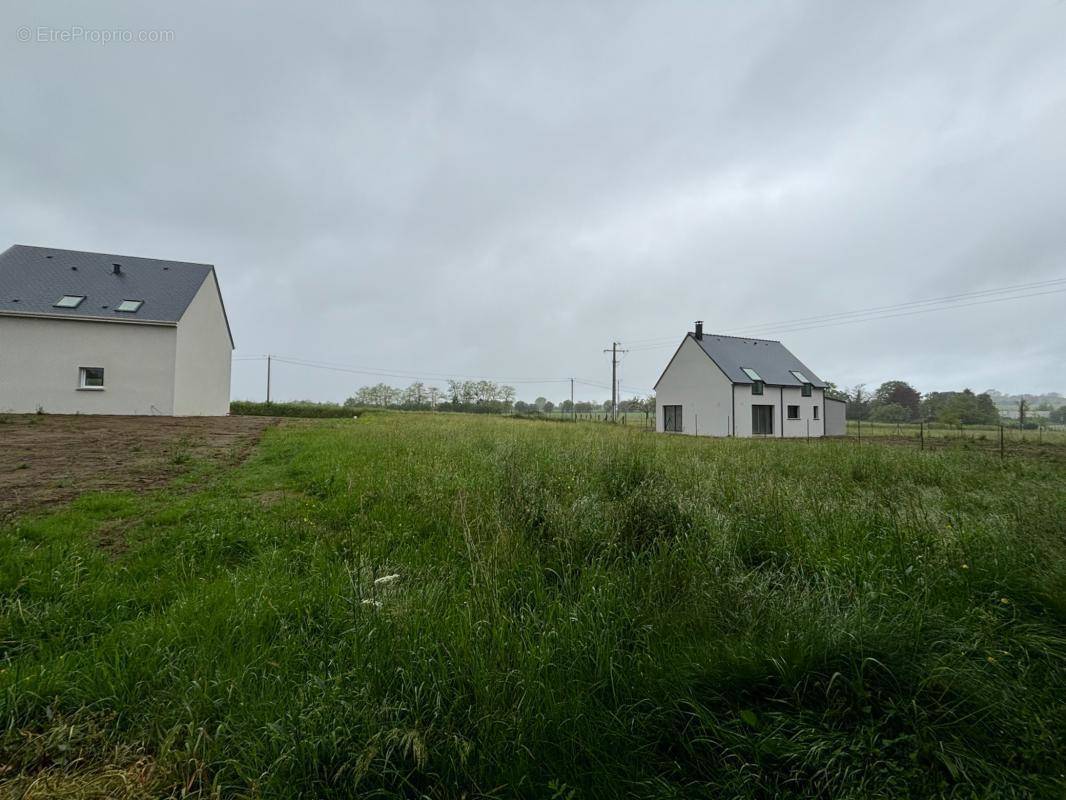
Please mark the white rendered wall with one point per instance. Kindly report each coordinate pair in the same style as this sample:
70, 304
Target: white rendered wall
204, 356
40, 359
781, 397
694, 381
836, 418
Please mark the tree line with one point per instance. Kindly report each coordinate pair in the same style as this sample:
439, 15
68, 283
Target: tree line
898, 401
480, 396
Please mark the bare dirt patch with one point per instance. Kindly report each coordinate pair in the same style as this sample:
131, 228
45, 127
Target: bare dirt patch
49, 459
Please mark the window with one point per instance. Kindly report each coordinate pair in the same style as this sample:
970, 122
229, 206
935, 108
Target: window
755, 376
806, 390
672, 418
131, 306
91, 378
794, 412
756, 388
799, 376
815, 411
69, 301
762, 420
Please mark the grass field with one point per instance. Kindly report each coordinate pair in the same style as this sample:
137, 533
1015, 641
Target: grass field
447, 605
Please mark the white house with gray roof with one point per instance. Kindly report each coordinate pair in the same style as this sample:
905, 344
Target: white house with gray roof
718, 385
93, 333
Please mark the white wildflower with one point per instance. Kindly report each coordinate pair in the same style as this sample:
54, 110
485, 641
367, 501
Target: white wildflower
384, 580
374, 603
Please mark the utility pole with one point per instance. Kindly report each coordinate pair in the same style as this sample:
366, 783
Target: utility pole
268, 378
573, 409
614, 351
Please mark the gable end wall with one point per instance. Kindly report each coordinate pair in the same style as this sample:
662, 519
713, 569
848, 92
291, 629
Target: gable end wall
203, 356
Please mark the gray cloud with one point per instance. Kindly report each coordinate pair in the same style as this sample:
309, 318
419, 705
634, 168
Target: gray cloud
502, 189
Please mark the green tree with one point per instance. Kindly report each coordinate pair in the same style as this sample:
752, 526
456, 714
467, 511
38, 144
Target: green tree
899, 393
832, 390
858, 402
890, 412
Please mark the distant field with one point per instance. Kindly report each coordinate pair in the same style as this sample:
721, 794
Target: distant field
988, 434
454, 605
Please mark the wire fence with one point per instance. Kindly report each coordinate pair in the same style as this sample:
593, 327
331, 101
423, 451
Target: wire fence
641, 419
925, 436
930, 436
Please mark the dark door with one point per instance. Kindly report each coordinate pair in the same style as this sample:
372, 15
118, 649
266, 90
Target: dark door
762, 420
672, 418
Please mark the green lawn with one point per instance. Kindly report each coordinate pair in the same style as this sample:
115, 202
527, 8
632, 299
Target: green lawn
578, 611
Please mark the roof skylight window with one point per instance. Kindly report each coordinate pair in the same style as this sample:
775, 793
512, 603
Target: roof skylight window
69, 301
132, 306
755, 376
800, 376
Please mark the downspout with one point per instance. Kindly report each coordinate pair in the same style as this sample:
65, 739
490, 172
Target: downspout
733, 398
781, 409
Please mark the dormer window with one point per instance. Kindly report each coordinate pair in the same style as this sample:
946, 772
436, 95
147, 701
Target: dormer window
807, 385
757, 382
130, 306
69, 301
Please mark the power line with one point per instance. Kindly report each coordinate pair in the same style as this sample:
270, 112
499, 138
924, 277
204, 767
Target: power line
947, 299
384, 373
883, 312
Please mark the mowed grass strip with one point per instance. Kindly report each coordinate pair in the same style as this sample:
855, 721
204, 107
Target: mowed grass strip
446, 605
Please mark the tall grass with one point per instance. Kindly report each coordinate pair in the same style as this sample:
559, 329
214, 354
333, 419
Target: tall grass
580, 611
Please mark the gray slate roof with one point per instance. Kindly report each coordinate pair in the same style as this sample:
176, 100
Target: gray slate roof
769, 358
32, 279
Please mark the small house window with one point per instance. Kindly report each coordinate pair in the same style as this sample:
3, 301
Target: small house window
132, 306
672, 418
815, 411
69, 301
794, 412
757, 387
806, 390
91, 378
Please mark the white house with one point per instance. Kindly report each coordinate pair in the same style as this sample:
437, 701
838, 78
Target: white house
719, 385
92, 333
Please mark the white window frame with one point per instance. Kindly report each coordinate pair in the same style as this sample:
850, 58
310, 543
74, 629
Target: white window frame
135, 303
84, 387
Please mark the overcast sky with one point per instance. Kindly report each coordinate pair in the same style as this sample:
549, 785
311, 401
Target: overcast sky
501, 189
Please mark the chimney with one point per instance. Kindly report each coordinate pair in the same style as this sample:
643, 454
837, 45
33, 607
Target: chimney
116, 269
699, 330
